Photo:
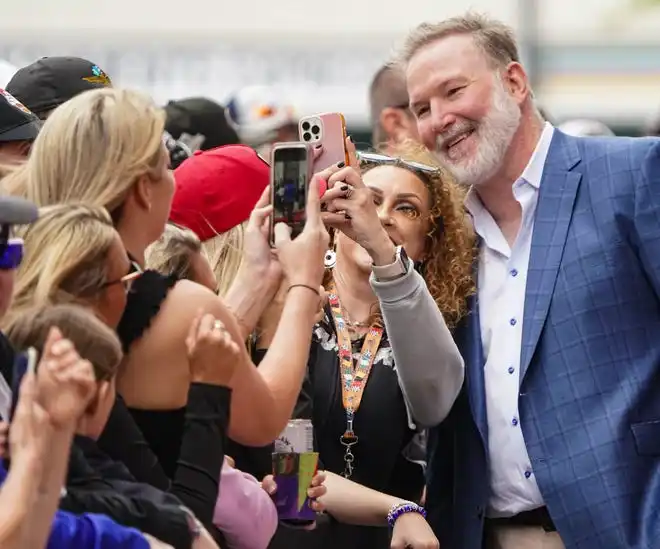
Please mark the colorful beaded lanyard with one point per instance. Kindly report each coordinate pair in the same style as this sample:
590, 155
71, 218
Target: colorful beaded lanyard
353, 376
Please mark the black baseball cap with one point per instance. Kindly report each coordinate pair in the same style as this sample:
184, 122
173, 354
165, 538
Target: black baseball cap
17, 123
51, 81
17, 211
200, 123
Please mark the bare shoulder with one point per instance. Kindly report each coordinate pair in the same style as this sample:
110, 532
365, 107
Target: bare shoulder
186, 299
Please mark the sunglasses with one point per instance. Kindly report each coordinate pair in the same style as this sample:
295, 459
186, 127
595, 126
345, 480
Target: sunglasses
127, 280
384, 160
11, 254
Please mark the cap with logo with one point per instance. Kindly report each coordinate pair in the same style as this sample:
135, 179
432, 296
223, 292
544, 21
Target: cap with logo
258, 112
200, 123
17, 123
51, 81
218, 189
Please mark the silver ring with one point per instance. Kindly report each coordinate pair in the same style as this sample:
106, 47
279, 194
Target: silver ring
217, 325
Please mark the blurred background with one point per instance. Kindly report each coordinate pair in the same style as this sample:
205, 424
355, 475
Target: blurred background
591, 59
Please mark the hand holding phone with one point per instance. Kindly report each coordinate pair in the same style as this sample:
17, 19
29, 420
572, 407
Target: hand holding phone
328, 132
290, 173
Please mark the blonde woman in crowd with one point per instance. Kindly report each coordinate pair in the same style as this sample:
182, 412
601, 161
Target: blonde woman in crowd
105, 148
73, 254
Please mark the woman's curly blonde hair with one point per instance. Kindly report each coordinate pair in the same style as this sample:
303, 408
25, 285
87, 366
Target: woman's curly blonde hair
447, 268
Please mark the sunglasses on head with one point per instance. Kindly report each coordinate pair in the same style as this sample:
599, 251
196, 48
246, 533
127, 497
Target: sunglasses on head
384, 160
11, 254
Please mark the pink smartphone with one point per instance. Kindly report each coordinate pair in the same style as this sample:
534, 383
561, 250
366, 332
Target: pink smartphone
290, 174
329, 130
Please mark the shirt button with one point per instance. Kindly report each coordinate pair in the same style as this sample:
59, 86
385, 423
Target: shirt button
514, 421
514, 272
528, 474
512, 322
511, 369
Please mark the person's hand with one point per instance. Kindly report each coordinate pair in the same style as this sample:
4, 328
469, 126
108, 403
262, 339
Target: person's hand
316, 489
302, 257
30, 430
412, 531
213, 354
259, 261
66, 383
350, 209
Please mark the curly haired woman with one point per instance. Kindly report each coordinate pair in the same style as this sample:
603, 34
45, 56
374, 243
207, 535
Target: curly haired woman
397, 282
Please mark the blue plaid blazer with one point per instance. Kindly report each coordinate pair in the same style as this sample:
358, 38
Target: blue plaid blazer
590, 366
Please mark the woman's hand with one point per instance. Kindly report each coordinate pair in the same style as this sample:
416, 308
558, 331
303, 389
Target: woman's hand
302, 257
259, 263
412, 531
66, 383
350, 209
213, 354
316, 489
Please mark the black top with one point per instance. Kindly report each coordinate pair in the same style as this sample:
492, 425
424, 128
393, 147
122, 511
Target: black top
180, 451
382, 455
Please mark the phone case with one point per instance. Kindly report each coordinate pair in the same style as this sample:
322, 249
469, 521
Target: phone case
310, 171
331, 134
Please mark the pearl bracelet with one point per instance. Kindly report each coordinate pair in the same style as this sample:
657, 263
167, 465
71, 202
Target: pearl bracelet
402, 508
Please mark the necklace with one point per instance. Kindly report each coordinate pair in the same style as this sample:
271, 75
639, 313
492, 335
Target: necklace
354, 323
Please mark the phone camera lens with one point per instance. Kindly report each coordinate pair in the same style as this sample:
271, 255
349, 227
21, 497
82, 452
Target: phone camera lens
305, 126
315, 129
306, 136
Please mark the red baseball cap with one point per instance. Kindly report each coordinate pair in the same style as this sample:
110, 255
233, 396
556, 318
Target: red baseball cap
217, 189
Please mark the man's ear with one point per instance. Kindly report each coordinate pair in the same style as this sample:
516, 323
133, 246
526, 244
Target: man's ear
516, 81
391, 120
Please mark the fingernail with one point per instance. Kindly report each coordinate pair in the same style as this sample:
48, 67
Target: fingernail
349, 138
341, 164
344, 187
317, 147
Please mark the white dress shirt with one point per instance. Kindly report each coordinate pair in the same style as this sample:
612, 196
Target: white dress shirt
501, 294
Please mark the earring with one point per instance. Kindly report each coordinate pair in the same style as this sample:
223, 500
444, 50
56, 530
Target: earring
330, 259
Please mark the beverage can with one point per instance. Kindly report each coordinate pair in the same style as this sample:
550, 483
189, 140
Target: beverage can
298, 437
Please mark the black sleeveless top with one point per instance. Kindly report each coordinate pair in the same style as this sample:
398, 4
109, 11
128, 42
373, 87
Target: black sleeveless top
180, 451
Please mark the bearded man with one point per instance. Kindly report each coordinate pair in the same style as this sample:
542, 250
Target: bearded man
555, 439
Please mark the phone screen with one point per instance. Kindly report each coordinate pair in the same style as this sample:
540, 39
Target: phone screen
290, 172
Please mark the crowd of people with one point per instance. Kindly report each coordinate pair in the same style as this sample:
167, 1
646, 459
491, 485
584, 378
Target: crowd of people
466, 320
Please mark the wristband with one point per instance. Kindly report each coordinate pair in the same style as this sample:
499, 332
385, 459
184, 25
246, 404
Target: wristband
310, 288
403, 508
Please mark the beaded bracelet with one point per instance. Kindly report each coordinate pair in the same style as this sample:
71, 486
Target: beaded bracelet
402, 508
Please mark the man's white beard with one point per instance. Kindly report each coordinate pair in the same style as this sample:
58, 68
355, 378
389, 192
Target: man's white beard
493, 133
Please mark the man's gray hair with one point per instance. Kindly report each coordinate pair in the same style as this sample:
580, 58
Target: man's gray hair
495, 39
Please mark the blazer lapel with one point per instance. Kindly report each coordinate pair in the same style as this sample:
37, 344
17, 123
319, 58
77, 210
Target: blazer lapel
554, 211
468, 340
